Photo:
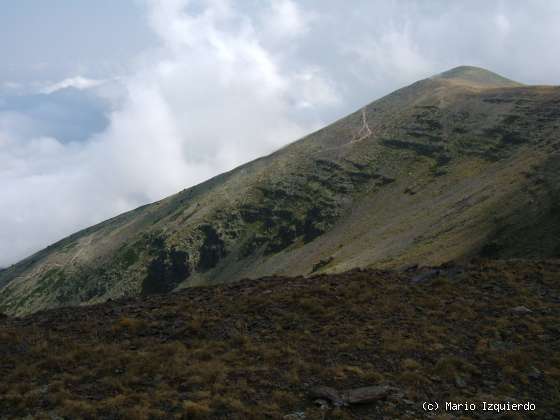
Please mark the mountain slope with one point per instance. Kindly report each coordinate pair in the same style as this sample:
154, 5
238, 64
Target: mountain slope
462, 164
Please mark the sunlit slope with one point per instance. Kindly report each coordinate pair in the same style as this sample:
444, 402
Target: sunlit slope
462, 164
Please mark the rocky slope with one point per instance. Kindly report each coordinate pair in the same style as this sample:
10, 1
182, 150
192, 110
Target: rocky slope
483, 332
462, 164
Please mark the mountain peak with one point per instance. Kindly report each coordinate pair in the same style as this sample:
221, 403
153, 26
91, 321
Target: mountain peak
476, 76
418, 177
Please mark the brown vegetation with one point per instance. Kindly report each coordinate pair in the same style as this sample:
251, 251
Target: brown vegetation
256, 349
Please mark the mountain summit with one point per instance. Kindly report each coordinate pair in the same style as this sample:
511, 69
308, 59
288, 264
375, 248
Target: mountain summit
460, 165
477, 76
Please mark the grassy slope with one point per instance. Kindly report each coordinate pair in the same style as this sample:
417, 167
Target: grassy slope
254, 349
455, 165
478, 76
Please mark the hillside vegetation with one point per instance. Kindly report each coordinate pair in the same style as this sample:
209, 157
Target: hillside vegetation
459, 165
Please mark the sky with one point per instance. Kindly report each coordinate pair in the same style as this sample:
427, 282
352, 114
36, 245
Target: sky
105, 105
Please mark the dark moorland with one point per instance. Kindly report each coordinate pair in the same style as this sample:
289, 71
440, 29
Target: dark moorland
485, 331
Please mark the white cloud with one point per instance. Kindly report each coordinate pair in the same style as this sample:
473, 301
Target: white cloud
393, 57
77, 82
503, 24
211, 97
285, 19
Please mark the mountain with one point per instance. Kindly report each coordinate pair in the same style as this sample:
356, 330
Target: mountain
484, 332
460, 165
475, 76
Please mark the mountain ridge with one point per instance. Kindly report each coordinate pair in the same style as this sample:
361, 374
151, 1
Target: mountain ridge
417, 177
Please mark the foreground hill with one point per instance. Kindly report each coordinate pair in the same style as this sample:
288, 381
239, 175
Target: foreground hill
258, 349
462, 164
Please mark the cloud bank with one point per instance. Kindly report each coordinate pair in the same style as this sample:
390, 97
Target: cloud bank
229, 81
209, 98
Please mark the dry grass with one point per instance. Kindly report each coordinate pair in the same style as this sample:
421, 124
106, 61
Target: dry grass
253, 350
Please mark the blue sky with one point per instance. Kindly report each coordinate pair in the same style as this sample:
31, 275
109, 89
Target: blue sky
49, 40
107, 105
